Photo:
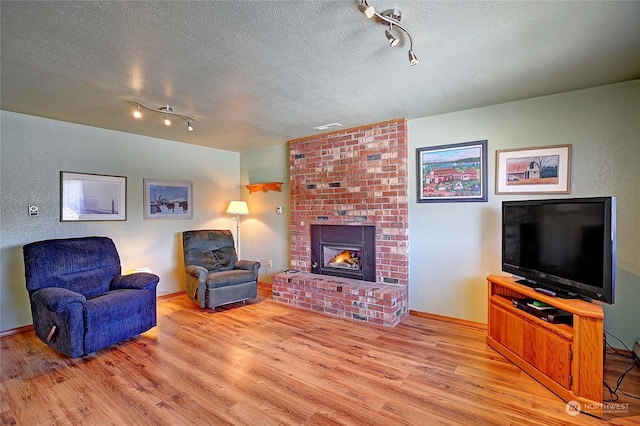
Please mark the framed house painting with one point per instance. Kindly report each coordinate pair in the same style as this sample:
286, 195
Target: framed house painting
542, 170
89, 197
452, 173
167, 199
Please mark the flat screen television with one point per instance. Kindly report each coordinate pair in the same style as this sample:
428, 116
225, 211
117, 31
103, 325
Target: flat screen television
567, 246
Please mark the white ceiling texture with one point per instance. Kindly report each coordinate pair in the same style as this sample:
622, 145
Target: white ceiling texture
256, 74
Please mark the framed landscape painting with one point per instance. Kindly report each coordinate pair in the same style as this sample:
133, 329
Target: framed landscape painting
167, 199
88, 197
452, 173
542, 170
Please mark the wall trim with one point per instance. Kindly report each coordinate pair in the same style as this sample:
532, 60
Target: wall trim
16, 330
170, 295
450, 320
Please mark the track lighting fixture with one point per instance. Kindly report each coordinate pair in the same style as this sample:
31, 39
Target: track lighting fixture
389, 18
166, 110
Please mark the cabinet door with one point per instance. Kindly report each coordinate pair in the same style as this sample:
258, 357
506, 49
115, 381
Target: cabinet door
506, 329
547, 352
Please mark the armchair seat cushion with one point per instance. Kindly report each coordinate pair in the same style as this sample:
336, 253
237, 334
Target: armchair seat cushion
90, 283
227, 278
128, 312
117, 305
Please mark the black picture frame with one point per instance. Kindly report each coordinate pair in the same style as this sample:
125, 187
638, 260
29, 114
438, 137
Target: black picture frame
92, 197
452, 173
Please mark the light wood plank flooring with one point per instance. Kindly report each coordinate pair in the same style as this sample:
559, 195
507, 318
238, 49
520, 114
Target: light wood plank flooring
264, 363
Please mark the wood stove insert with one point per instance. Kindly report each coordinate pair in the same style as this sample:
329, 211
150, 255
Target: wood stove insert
346, 251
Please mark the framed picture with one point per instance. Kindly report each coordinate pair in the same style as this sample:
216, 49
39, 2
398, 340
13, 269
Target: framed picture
86, 197
452, 173
167, 199
542, 170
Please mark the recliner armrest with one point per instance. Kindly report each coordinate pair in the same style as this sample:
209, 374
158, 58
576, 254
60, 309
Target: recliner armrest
196, 271
248, 265
56, 298
140, 280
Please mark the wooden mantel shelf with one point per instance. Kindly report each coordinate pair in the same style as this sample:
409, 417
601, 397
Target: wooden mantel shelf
264, 187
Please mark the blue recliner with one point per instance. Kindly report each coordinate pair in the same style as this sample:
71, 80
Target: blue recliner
80, 303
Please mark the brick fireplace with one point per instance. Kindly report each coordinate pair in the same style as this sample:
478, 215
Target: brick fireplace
353, 177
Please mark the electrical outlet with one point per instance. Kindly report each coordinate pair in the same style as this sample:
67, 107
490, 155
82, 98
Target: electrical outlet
269, 264
636, 349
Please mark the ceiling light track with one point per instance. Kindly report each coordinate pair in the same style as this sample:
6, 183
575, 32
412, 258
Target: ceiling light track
389, 18
165, 110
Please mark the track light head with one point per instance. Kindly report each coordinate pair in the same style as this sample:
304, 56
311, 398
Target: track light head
137, 113
167, 122
189, 126
392, 40
367, 9
413, 59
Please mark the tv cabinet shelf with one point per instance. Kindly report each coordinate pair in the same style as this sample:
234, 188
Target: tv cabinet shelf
567, 360
506, 303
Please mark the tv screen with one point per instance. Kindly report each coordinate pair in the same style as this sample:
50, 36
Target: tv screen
565, 245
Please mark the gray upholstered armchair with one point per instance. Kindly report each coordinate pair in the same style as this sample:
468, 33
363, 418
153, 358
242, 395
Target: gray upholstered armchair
80, 303
215, 276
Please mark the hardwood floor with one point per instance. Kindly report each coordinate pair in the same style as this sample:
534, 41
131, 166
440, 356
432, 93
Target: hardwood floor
264, 363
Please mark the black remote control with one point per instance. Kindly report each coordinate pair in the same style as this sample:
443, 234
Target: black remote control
545, 291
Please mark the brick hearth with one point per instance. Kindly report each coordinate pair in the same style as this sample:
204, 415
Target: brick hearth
356, 176
383, 304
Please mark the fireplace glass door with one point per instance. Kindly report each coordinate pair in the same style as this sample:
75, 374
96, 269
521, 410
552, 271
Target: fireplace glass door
341, 257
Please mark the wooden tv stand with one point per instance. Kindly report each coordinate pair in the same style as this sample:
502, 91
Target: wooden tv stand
567, 359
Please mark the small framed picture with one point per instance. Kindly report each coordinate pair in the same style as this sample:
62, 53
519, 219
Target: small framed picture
541, 170
167, 199
452, 173
89, 197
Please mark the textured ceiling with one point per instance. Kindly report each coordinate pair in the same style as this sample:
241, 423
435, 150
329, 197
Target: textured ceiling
257, 74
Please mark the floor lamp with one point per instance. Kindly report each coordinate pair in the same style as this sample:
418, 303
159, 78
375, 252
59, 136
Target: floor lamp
237, 208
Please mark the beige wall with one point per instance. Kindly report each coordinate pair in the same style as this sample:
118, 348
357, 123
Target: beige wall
454, 246
265, 233
33, 151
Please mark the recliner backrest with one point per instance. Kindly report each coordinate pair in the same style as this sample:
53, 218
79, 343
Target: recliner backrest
211, 249
85, 265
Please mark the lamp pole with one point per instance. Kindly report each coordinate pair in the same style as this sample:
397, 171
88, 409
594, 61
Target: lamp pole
237, 208
238, 234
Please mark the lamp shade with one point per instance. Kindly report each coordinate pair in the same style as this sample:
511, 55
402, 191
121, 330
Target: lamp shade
238, 207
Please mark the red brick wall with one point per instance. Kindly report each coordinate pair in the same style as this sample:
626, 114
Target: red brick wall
356, 176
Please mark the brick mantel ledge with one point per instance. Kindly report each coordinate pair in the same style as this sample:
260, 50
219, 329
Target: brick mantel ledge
377, 303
